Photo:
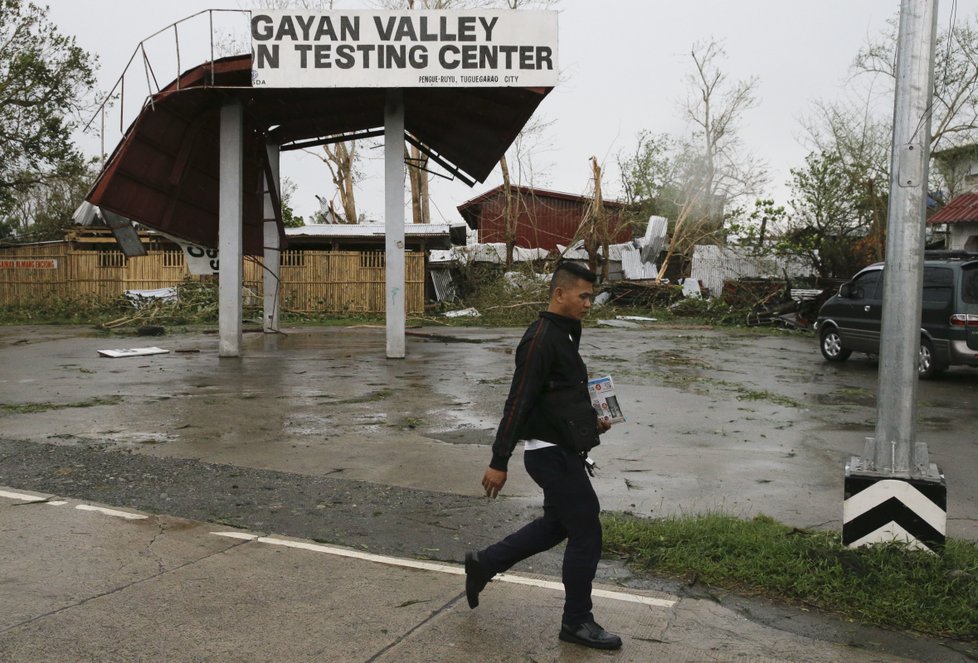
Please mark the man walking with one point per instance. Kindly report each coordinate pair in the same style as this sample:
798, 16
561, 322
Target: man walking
549, 407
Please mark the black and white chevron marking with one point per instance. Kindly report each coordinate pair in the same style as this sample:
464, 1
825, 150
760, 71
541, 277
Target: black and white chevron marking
878, 510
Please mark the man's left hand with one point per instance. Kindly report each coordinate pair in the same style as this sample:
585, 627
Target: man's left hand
603, 426
493, 481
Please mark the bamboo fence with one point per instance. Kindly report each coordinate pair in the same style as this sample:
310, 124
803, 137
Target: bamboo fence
311, 281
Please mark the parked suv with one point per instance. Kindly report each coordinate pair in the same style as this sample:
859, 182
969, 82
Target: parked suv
850, 320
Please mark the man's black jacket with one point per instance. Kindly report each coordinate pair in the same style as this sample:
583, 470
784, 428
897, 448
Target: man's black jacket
547, 360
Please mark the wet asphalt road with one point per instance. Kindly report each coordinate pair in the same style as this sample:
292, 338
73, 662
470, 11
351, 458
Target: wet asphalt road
744, 423
316, 435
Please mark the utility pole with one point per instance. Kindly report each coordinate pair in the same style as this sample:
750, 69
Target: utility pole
893, 491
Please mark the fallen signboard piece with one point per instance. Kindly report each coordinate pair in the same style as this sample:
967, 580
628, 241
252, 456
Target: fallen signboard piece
133, 352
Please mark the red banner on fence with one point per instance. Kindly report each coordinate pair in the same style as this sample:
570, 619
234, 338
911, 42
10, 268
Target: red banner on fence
45, 263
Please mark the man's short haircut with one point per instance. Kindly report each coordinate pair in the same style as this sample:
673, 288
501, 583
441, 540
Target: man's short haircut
567, 273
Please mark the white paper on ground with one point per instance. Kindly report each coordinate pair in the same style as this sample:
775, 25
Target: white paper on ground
133, 352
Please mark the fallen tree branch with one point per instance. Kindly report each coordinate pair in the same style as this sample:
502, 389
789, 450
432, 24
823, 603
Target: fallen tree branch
493, 308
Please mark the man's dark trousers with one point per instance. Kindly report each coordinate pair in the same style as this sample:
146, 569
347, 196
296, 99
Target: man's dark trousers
570, 511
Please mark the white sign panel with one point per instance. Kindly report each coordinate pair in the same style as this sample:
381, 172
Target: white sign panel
201, 260
404, 49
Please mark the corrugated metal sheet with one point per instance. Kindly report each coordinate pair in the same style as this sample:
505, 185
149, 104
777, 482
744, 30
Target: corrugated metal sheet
712, 265
441, 280
493, 253
960, 209
634, 269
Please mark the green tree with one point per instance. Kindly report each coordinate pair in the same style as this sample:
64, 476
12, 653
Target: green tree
860, 145
45, 80
43, 211
646, 177
753, 228
665, 176
6, 230
289, 218
830, 224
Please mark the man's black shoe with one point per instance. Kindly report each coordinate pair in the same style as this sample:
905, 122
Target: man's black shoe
589, 634
476, 578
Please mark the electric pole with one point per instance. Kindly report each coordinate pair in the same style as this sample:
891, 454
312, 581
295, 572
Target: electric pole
894, 491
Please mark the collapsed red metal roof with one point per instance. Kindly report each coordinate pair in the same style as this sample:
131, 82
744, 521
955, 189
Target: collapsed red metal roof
164, 172
960, 209
544, 218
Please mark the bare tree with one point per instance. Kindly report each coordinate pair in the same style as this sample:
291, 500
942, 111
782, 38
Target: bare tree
418, 177
709, 169
530, 142
595, 231
510, 214
955, 109
341, 159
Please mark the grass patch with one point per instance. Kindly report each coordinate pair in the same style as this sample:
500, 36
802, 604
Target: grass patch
763, 395
27, 408
886, 585
673, 359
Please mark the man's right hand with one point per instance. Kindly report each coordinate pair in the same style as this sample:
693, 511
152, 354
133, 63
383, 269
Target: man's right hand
493, 481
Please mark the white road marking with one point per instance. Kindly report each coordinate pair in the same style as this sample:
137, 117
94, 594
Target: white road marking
439, 568
111, 512
237, 535
356, 554
23, 497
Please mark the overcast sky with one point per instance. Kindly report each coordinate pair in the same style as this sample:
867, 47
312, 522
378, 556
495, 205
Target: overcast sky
623, 65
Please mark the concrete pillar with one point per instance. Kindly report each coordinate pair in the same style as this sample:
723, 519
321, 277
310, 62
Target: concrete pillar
230, 228
394, 222
271, 284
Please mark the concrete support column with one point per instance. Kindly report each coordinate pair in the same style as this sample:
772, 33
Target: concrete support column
230, 228
394, 222
271, 284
